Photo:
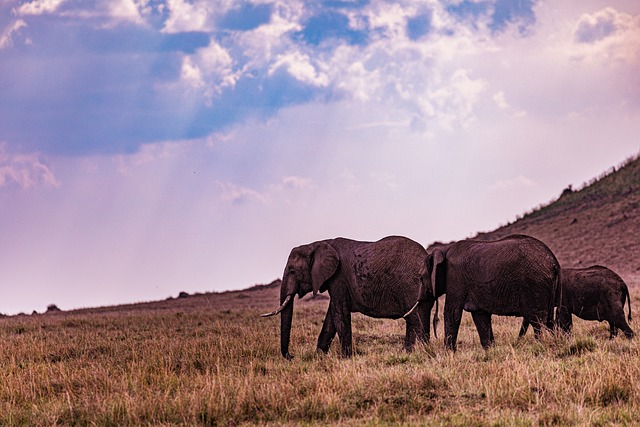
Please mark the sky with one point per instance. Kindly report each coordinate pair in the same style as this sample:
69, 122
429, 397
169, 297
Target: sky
149, 147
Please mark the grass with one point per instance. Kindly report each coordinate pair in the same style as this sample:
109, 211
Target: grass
206, 366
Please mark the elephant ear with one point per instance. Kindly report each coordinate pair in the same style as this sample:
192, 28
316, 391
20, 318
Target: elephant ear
323, 266
438, 258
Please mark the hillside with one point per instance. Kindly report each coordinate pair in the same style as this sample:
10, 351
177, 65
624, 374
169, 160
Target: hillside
598, 224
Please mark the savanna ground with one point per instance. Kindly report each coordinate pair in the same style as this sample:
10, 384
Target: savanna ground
211, 360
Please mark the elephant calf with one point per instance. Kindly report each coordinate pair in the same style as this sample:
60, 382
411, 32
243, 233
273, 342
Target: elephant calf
592, 293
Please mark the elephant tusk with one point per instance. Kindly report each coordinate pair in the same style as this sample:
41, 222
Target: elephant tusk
412, 309
279, 309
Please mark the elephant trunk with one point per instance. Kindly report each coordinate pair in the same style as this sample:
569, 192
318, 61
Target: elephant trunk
435, 321
286, 318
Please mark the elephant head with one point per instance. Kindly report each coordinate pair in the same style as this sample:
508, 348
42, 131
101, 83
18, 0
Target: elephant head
308, 268
432, 284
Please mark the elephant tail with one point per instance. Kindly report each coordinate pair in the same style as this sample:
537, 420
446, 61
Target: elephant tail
556, 300
626, 291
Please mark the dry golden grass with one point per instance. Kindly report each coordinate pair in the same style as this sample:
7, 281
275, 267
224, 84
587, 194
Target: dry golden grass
211, 360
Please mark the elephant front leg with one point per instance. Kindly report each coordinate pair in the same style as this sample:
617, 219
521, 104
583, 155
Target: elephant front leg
341, 316
413, 330
327, 333
483, 325
564, 319
452, 319
425, 321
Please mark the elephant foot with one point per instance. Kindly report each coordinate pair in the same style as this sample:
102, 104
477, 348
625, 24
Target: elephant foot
487, 346
288, 356
346, 354
321, 352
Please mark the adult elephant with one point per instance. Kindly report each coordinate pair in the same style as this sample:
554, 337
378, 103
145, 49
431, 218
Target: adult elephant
379, 279
514, 276
592, 293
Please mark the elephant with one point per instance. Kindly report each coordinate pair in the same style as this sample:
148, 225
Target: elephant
378, 279
514, 276
592, 293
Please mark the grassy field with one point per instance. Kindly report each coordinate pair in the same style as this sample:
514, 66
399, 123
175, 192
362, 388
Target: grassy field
218, 363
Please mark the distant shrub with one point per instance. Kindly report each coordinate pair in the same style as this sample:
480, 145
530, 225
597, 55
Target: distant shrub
52, 308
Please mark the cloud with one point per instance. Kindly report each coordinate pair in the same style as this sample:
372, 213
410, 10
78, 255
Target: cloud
125, 10
453, 102
39, 7
607, 35
299, 66
6, 37
296, 183
185, 16
519, 181
210, 69
593, 28
500, 100
25, 171
238, 195
180, 70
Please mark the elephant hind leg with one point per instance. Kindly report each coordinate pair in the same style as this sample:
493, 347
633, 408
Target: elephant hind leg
619, 322
537, 327
483, 325
613, 331
523, 328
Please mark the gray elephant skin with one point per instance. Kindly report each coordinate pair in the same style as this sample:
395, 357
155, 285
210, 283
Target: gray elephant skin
378, 279
514, 276
592, 293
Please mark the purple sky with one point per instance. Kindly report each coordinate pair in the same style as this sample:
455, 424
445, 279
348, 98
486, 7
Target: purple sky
152, 147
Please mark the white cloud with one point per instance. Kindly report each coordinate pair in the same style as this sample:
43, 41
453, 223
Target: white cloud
24, 170
187, 16
126, 10
500, 100
148, 154
607, 35
602, 24
6, 37
299, 66
452, 104
519, 181
238, 195
210, 69
296, 183
39, 7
